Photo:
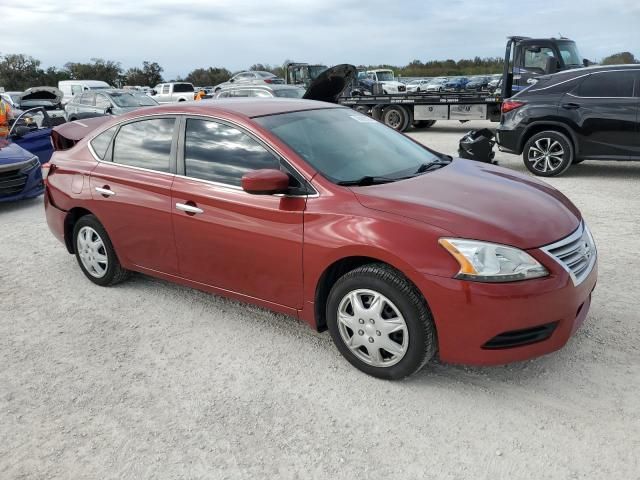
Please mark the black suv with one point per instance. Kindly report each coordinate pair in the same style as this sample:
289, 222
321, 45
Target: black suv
565, 118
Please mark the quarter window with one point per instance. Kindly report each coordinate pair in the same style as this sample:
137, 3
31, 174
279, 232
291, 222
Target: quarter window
608, 84
145, 144
221, 153
100, 143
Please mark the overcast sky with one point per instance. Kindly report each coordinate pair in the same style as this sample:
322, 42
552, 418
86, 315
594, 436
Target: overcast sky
185, 34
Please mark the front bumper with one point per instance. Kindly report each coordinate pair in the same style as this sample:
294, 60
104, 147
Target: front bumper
469, 316
30, 184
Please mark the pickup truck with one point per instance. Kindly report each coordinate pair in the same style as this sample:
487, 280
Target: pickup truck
173, 92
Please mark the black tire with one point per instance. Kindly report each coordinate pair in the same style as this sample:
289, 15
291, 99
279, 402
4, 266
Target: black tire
114, 272
551, 143
422, 339
396, 117
422, 124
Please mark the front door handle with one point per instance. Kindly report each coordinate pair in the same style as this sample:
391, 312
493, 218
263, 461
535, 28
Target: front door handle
570, 106
185, 207
105, 191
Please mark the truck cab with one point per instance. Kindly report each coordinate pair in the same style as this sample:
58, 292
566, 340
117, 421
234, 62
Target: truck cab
173, 92
528, 58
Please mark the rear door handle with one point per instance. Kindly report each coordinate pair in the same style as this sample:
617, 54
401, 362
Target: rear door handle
185, 207
570, 106
105, 191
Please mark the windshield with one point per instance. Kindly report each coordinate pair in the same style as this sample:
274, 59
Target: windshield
129, 100
385, 76
289, 92
345, 146
570, 54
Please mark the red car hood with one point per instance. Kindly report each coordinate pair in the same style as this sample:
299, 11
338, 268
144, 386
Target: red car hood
479, 201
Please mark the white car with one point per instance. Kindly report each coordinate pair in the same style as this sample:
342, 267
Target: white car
436, 85
388, 80
419, 85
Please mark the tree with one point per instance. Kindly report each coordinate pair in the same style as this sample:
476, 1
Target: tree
105, 70
620, 58
149, 75
19, 71
204, 77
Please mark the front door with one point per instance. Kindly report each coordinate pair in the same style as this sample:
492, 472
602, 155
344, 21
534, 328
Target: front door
131, 191
225, 237
605, 112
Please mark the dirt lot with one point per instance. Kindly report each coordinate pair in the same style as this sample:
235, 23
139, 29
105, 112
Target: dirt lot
152, 380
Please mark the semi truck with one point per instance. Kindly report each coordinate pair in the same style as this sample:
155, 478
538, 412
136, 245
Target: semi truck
525, 59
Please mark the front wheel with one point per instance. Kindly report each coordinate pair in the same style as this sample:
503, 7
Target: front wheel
380, 323
548, 154
95, 253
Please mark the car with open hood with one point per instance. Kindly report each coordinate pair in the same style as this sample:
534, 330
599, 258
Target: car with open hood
48, 98
319, 212
20, 175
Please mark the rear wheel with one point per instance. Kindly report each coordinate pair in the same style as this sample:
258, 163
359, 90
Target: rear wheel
395, 117
424, 123
548, 154
95, 253
380, 322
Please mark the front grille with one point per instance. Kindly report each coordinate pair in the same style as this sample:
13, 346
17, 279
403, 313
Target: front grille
519, 338
576, 253
12, 182
402, 88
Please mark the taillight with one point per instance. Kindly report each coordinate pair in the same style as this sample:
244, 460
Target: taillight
268, 80
47, 168
509, 105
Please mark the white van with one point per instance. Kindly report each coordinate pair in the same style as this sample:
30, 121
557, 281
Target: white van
70, 88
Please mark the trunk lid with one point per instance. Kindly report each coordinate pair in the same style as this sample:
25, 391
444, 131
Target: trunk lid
40, 97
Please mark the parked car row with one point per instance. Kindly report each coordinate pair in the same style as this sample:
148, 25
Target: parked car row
476, 83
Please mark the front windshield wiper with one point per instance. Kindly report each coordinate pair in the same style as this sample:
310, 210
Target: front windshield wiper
367, 180
425, 167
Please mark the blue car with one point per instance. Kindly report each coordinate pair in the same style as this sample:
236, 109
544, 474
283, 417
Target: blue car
456, 84
20, 173
32, 131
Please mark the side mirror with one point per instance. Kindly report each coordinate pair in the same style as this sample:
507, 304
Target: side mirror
21, 131
586, 62
231, 80
108, 110
265, 182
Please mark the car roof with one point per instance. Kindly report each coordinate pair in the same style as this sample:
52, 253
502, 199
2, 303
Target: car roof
582, 71
250, 86
246, 107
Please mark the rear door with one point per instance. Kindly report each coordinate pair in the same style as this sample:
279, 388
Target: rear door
604, 111
131, 191
225, 237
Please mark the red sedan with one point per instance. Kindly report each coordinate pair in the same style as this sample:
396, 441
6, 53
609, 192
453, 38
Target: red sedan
320, 212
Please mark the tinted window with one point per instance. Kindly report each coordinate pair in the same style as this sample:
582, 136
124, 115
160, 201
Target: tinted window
220, 153
102, 101
145, 144
182, 87
101, 142
610, 84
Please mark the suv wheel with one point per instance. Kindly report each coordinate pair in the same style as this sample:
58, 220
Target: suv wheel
380, 322
548, 154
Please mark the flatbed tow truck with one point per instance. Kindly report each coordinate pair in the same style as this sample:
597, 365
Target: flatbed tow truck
525, 59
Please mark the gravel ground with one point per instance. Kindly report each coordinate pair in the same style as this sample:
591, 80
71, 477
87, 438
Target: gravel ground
152, 380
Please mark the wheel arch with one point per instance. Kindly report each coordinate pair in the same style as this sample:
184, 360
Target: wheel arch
335, 271
70, 221
538, 127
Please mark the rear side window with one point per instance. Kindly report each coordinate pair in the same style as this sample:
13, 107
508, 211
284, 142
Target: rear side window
221, 153
145, 144
608, 84
100, 143
182, 87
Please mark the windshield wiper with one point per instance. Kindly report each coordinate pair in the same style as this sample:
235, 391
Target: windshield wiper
425, 167
368, 180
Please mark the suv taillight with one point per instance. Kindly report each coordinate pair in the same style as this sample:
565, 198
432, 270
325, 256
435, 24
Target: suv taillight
509, 105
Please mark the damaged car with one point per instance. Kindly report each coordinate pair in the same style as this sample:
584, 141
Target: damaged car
48, 98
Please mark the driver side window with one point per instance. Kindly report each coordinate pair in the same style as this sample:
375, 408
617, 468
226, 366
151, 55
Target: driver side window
536, 58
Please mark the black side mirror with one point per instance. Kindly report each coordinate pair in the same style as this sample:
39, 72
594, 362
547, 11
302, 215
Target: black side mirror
21, 131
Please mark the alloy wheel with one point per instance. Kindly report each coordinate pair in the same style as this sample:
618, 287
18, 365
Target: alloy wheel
546, 155
92, 252
373, 328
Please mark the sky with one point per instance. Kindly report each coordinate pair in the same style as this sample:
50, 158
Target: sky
186, 34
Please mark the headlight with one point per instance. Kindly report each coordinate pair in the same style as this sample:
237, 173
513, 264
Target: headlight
34, 162
491, 262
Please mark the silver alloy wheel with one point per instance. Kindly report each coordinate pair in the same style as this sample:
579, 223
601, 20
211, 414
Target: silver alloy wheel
92, 252
373, 328
546, 155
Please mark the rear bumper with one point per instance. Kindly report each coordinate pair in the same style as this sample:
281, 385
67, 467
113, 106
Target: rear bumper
509, 140
537, 316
